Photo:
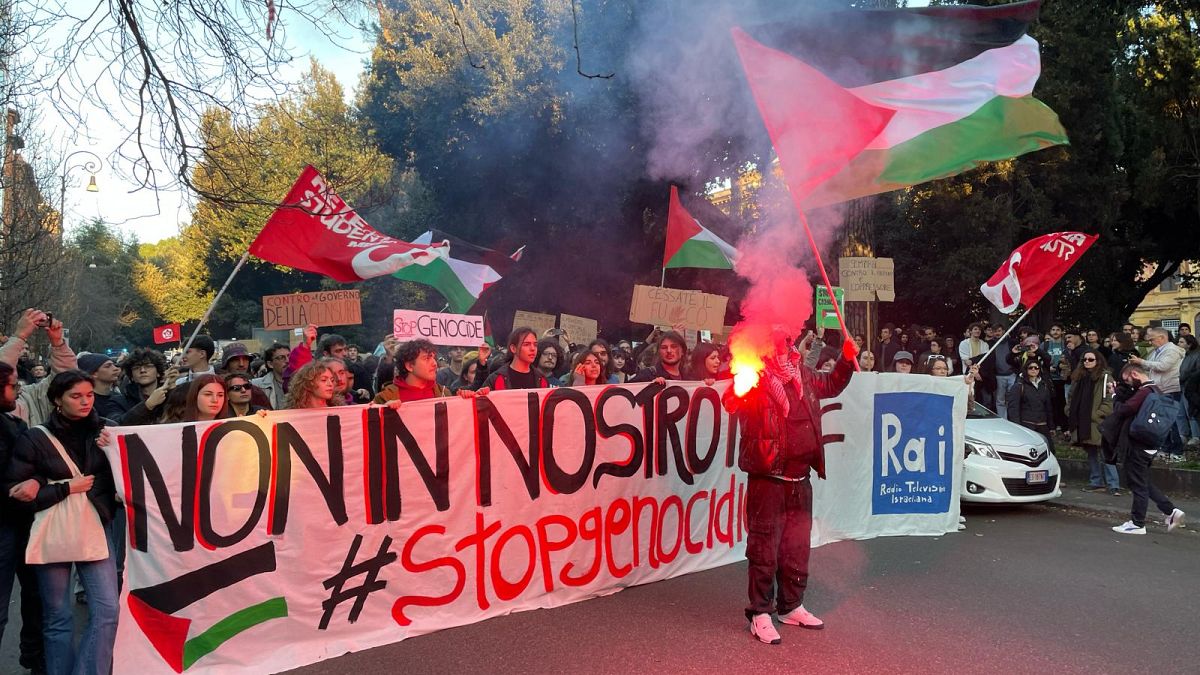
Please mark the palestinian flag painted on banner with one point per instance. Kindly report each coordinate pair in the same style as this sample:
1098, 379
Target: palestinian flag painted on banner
690, 244
957, 81
464, 275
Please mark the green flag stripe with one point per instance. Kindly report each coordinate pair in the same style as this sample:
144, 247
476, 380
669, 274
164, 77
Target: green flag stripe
700, 253
204, 643
441, 277
1002, 129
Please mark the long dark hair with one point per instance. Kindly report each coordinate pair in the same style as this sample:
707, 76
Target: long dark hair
1081, 372
699, 356
1191, 341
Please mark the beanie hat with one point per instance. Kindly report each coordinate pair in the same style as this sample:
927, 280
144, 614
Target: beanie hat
90, 363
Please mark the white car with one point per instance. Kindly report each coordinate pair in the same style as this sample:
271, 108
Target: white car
1006, 463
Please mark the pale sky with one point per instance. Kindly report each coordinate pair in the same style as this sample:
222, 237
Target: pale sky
139, 211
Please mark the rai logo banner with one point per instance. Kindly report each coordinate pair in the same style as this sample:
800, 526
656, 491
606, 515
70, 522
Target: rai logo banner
913, 437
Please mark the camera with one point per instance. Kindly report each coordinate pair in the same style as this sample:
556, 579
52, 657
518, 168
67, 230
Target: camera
46, 322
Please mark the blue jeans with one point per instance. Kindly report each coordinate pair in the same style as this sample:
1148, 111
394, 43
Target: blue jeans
1174, 444
1003, 384
1101, 473
95, 652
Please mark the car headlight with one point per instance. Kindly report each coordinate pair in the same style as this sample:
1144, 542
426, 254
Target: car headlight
974, 445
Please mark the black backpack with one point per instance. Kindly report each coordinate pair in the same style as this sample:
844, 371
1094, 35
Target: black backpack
1154, 420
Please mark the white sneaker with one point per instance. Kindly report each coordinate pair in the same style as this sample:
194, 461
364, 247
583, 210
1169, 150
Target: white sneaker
962, 519
763, 628
1174, 520
1129, 528
803, 618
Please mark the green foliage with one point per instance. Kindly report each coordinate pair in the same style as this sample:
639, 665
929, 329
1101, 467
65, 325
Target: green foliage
106, 309
1122, 77
313, 125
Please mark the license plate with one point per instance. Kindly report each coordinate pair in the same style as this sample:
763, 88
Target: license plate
1035, 477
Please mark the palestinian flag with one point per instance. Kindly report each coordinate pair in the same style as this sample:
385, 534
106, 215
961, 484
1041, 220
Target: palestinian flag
464, 275
690, 244
952, 85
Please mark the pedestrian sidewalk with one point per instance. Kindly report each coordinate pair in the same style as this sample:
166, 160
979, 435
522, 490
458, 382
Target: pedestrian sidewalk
1104, 504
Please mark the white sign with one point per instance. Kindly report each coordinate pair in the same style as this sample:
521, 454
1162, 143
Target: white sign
261, 544
454, 330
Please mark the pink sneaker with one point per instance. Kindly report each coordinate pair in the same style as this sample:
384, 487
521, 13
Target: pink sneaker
763, 628
803, 618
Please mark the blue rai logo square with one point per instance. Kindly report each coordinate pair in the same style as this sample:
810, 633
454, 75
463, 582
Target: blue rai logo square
913, 439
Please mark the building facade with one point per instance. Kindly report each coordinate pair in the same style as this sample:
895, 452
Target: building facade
1171, 303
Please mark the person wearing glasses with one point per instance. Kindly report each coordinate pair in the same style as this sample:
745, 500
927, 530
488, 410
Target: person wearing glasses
271, 384
1088, 404
1030, 402
600, 348
237, 395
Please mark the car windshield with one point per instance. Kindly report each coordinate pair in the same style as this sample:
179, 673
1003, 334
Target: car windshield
979, 412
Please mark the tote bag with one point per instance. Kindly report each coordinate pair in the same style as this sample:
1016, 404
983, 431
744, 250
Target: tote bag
69, 531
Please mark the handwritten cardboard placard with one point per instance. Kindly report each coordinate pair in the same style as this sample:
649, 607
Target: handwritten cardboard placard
579, 330
669, 306
322, 308
454, 330
540, 323
867, 279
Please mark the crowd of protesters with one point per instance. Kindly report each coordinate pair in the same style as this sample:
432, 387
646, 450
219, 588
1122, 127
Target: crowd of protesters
1061, 383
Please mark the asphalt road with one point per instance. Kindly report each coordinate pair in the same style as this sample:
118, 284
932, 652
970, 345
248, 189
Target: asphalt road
1022, 590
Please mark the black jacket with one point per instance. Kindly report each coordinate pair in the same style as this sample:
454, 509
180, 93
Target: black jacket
36, 457
761, 449
11, 430
1028, 404
1116, 442
650, 374
501, 378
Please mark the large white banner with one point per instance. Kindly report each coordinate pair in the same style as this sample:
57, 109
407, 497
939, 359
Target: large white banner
263, 544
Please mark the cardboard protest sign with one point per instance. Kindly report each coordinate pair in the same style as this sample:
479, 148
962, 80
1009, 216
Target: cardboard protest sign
867, 279
323, 308
579, 330
826, 316
307, 533
540, 323
660, 306
452, 330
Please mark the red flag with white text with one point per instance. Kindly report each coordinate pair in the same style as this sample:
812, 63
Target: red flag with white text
171, 332
1033, 268
315, 231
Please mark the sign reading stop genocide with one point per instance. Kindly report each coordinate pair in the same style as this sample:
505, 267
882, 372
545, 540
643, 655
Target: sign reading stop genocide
452, 330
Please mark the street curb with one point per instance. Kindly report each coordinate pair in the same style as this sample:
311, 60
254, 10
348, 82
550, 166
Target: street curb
1181, 483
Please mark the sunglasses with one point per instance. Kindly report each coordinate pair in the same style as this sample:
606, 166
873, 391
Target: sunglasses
1089, 360
1034, 368
239, 387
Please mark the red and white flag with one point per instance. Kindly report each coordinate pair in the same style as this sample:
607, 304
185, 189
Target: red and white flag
1033, 269
315, 231
171, 332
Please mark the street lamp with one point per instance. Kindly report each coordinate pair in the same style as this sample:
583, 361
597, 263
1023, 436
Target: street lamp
91, 164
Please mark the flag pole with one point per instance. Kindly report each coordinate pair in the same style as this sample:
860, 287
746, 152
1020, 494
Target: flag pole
1001, 338
208, 312
825, 278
